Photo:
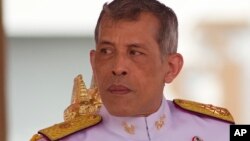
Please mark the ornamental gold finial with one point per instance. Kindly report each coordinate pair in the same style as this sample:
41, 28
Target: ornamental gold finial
84, 101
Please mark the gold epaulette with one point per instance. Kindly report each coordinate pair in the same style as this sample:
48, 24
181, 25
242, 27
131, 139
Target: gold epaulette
205, 109
36, 137
61, 130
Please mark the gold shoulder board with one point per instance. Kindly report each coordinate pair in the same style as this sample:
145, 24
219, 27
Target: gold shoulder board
58, 131
205, 109
36, 137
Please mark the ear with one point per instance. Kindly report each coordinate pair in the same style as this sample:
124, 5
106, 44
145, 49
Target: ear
92, 59
92, 62
174, 65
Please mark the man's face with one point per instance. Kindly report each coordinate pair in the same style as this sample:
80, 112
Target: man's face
128, 67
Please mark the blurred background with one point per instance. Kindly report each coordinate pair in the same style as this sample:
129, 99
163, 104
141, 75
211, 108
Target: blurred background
48, 44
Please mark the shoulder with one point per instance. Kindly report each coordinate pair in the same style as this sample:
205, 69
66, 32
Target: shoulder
206, 110
67, 128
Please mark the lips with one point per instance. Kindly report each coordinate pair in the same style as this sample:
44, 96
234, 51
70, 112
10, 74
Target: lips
119, 89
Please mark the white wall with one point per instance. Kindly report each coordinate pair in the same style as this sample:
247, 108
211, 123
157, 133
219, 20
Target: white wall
77, 17
40, 80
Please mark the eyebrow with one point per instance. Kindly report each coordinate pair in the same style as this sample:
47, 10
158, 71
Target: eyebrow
138, 46
129, 45
135, 45
105, 42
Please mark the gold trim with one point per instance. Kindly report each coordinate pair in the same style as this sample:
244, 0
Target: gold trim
36, 137
129, 128
159, 123
84, 101
66, 128
205, 109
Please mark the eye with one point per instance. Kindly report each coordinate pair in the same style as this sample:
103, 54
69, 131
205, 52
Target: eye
135, 53
105, 51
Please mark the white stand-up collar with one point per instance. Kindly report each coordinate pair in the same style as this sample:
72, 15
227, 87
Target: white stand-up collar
138, 128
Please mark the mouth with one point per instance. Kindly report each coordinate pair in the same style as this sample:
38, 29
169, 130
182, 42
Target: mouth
119, 89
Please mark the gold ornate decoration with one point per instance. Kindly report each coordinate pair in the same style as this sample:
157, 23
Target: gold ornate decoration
205, 109
58, 131
159, 123
36, 137
129, 128
84, 101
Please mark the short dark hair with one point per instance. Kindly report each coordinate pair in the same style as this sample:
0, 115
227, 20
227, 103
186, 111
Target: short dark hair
167, 37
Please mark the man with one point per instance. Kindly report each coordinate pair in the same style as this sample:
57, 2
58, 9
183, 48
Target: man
135, 55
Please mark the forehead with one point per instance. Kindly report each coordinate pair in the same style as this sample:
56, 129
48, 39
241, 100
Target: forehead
143, 16
145, 23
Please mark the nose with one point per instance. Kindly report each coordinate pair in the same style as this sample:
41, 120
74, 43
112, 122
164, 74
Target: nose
119, 73
120, 66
